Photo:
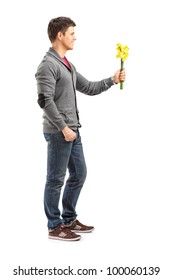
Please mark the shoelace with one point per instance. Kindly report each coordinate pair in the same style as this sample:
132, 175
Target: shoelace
66, 230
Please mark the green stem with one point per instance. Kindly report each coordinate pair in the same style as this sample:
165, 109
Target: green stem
122, 67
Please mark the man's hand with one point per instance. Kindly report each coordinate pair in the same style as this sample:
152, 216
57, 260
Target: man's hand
120, 76
69, 134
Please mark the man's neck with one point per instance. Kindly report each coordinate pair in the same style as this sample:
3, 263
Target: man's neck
59, 49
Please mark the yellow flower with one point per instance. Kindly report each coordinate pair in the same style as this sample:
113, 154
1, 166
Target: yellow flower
122, 51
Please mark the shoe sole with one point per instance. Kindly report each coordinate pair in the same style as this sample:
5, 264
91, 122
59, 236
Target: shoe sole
82, 231
65, 239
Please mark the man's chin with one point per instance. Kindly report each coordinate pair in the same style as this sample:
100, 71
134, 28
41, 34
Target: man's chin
69, 49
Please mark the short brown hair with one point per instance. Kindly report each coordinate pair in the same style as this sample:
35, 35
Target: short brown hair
59, 24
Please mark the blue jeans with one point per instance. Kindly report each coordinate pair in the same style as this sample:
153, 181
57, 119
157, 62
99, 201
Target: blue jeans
63, 155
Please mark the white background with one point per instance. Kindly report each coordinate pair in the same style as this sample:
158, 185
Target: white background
127, 138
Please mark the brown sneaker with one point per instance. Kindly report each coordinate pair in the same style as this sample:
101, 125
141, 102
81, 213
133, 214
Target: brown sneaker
76, 226
63, 233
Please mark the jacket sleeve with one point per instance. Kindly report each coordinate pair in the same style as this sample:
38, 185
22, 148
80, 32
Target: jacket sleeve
92, 88
46, 77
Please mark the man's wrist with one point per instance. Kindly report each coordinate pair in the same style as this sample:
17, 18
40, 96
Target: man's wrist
112, 78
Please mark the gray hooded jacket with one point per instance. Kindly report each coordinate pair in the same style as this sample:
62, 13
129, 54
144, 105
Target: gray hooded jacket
56, 86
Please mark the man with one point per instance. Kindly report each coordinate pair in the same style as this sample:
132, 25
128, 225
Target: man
57, 82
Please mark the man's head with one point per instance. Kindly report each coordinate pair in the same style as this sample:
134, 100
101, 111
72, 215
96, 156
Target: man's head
59, 24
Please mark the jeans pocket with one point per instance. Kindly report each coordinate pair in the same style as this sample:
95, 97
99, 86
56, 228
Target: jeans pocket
48, 136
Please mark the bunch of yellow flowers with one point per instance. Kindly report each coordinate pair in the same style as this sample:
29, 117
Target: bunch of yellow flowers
123, 52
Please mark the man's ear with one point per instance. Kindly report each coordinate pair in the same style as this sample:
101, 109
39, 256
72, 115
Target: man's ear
59, 35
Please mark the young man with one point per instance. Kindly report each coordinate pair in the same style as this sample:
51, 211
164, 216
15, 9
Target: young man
57, 82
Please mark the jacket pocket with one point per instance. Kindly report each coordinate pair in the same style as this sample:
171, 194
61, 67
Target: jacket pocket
67, 115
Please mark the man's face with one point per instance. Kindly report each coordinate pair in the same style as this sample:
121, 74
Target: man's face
67, 39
